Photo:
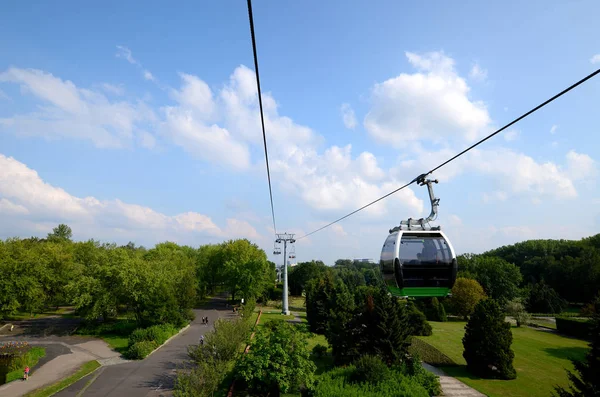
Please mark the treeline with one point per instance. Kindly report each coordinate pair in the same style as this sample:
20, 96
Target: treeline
545, 275
155, 286
570, 267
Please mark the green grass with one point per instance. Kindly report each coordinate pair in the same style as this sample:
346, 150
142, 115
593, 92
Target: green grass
116, 342
31, 359
540, 360
47, 391
543, 323
296, 304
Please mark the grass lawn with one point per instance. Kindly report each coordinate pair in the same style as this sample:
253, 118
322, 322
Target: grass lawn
32, 358
47, 391
116, 342
543, 323
541, 358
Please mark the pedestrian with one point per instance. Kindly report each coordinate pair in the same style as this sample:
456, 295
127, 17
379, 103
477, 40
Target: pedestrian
26, 376
201, 339
206, 320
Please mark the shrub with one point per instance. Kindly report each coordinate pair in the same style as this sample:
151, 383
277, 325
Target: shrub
487, 342
140, 350
415, 370
336, 383
319, 350
574, 327
418, 321
429, 353
516, 309
370, 369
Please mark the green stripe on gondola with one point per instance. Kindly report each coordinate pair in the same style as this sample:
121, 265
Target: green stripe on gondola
420, 292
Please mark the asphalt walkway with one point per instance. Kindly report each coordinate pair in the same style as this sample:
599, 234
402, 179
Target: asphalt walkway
155, 375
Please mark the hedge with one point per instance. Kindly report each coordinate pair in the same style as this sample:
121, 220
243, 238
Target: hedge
429, 354
578, 328
143, 341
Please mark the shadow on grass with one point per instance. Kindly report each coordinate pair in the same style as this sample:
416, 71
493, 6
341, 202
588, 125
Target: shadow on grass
459, 371
567, 353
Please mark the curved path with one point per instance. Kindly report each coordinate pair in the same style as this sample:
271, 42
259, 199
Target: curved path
155, 375
64, 355
452, 387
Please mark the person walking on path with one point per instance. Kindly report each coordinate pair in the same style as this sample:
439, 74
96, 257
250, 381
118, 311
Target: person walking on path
26, 375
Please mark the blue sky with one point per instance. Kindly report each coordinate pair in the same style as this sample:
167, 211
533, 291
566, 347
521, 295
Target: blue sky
139, 121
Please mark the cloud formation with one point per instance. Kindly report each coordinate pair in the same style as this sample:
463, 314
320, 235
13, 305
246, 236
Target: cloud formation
348, 116
23, 193
429, 105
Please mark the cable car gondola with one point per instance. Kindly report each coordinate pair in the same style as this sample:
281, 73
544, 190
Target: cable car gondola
276, 249
418, 261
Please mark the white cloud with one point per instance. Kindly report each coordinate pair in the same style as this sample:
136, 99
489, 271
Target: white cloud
477, 73
348, 116
69, 111
113, 89
595, 59
148, 76
511, 135
432, 105
338, 230
125, 53
10, 208
3, 95
24, 194
580, 166
498, 195
512, 172
553, 129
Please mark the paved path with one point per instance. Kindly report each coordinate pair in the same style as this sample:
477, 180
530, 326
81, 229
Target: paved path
452, 387
155, 375
62, 359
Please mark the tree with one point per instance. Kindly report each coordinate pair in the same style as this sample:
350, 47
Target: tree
586, 382
61, 232
318, 292
516, 309
500, 279
302, 273
466, 293
487, 342
246, 269
278, 360
544, 299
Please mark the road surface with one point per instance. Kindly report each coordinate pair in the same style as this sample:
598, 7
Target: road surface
155, 375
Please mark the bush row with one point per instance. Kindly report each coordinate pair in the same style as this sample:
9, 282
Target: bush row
574, 327
369, 376
429, 353
143, 341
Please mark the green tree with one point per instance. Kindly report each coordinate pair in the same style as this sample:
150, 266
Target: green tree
487, 342
586, 381
246, 269
544, 299
61, 232
318, 292
500, 279
278, 361
466, 293
302, 273
516, 309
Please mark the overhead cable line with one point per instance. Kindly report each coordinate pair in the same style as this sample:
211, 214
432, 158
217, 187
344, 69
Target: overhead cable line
420, 177
262, 117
